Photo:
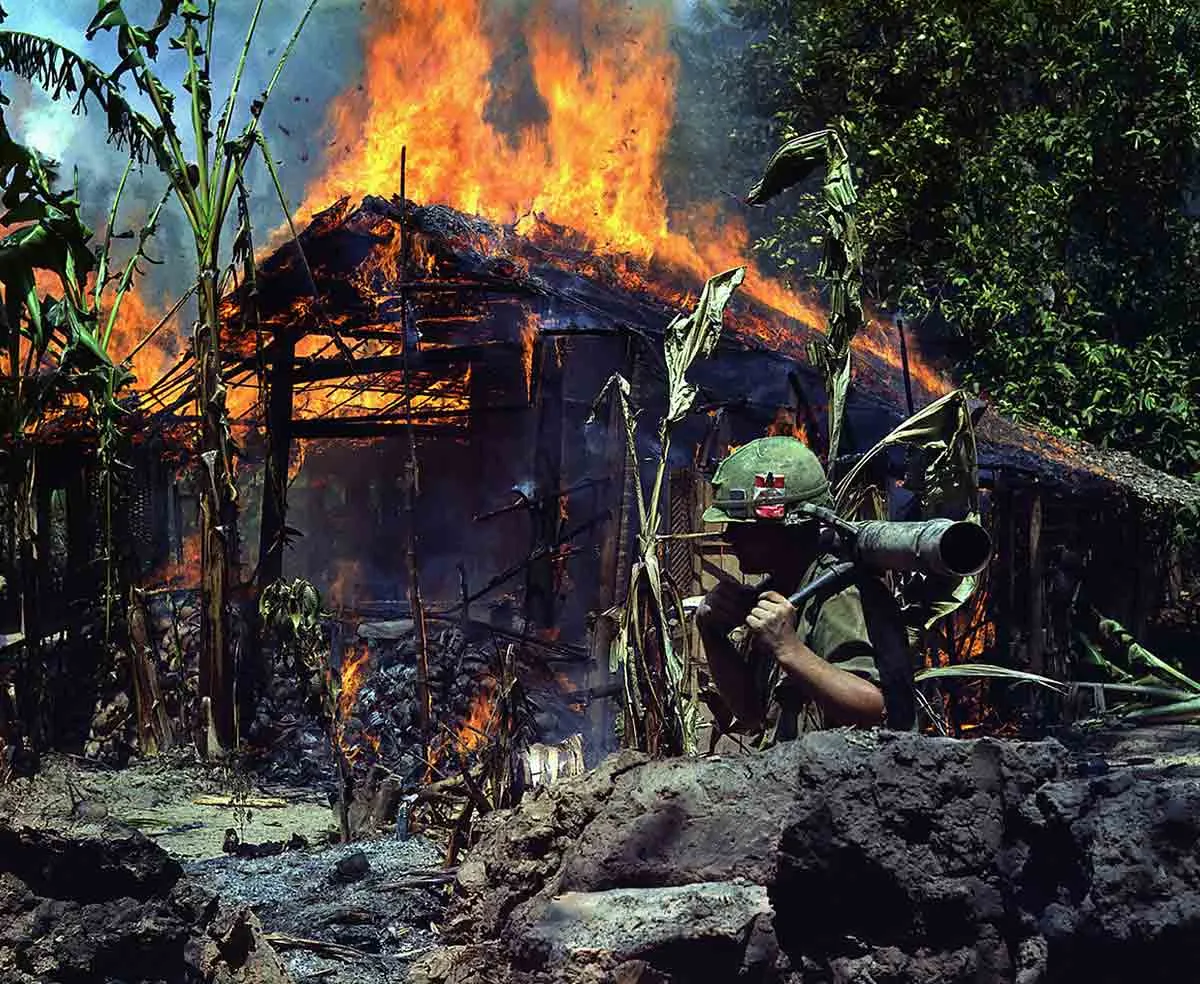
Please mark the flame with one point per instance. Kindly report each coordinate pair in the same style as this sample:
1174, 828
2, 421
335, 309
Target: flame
181, 573
974, 626
529, 333
347, 582
299, 453
354, 674
476, 727
974, 632
592, 164
355, 668
607, 85
135, 321
787, 424
881, 340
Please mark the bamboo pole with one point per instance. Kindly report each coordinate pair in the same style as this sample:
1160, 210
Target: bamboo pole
412, 485
1037, 596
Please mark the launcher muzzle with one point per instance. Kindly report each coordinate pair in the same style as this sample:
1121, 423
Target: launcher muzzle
936, 546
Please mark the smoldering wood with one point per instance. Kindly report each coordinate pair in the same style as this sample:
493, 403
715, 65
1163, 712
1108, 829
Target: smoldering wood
1037, 588
155, 731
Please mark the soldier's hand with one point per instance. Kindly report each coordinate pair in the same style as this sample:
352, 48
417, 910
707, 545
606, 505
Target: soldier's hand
773, 621
725, 607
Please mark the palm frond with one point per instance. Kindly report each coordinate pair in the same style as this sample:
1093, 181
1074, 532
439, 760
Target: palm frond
967, 671
60, 71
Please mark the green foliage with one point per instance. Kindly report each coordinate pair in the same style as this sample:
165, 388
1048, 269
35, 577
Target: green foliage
657, 715
1027, 178
840, 269
291, 616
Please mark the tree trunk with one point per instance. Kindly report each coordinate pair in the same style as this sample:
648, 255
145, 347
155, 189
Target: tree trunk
31, 682
218, 522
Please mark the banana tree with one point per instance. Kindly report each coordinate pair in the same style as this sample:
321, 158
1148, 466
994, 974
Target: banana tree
841, 257
202, 157
657, 716
54, 348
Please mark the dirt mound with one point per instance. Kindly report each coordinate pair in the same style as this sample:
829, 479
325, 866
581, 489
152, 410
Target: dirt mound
85, 911
843, 857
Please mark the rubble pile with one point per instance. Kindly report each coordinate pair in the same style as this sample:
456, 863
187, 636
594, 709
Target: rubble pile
842, 857
117, 909
381, 723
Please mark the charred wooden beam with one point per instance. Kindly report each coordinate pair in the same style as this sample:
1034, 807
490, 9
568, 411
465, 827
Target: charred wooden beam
309, 372
1037, 596
280, 381
541, 581
155, 733
412, 488
384, 426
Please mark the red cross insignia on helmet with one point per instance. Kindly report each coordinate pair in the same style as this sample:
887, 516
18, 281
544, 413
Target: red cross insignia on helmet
766, 488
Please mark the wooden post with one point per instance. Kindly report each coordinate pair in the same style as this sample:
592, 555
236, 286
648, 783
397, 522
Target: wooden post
412, 486
155, 733
614, 569
541, 579
279, 447
1037, 594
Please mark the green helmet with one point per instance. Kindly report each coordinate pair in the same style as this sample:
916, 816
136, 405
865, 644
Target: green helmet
761, 479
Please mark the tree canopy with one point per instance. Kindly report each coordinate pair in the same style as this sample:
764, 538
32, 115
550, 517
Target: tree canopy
1027, 172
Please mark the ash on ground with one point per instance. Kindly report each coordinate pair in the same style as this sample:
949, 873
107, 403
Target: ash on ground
373, 901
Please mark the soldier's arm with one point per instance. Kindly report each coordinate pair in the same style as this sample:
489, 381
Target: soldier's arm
732, 676
844, 698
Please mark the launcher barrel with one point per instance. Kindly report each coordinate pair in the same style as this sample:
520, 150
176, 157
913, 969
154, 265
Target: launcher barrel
936, 546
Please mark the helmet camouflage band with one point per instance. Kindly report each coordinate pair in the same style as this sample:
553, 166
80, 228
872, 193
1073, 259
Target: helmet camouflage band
760, 480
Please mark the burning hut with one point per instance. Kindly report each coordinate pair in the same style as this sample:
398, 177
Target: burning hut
489, 344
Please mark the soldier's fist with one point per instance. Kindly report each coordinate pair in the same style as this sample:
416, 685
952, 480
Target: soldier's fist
725, 607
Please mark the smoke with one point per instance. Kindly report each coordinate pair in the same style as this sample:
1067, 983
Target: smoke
703, 160
327, 59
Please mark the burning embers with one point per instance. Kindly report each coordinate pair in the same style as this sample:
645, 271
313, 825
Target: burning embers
378, 719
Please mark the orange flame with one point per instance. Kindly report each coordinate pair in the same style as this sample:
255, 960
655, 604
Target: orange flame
134, 323
182, 573
476, 727
529, 333
592, 164
354, 674
607, 84
787, 424
347, 582
355, 666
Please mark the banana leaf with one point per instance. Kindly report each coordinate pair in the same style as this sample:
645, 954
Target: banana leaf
841, 257
989, 671
694, 336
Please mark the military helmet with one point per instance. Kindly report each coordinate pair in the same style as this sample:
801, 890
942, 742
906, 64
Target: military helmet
760, 480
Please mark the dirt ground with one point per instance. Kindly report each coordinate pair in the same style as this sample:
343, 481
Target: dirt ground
182, 804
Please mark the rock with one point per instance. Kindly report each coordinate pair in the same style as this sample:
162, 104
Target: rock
118, 909
353, 867
841, 857
705, 924
390, 630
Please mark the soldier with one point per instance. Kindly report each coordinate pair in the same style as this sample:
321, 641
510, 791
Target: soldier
779, 671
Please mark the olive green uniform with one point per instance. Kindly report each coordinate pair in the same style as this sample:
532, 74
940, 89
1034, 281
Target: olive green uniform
762, 482
836, 630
